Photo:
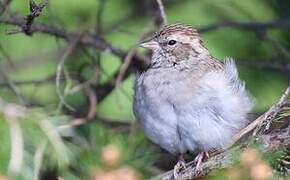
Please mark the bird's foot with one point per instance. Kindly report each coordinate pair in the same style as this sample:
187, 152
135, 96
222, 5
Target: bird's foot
180, 165
199, 158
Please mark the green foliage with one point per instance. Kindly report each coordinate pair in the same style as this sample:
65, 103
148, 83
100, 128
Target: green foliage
40, 137
133, 147
75, 153
5, 145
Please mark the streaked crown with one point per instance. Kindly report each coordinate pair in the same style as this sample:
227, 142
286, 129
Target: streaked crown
179, 28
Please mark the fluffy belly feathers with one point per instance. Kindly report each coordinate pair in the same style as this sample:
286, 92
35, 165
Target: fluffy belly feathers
179, 120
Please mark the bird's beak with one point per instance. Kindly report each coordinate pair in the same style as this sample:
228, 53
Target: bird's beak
150, 44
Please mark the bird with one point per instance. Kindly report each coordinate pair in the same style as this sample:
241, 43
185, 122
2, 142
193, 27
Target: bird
187, 100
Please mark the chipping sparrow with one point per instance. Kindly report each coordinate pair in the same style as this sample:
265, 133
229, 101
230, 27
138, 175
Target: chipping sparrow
187, 100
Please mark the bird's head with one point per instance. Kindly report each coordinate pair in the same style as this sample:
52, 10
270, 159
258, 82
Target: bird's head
175, 43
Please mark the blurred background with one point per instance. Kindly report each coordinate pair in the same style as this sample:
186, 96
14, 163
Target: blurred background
66, 81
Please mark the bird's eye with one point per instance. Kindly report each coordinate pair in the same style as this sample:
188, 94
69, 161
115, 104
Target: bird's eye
171, 42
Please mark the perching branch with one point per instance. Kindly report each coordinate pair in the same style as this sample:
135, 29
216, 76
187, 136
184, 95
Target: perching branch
262, 123
226, 159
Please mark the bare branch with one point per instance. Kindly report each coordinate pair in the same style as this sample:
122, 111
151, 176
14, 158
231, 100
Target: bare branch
92, 103
85, 40
92, 98
278, 46
35, 11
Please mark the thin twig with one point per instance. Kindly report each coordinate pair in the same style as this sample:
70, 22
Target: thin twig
30, 82
271, 114
278, 46
252, 26
66, 53
12, 87
85, 84
7, 56
124, 67
99, 23
92, 103
94, 59
162, 12
92, 98
271, 64
129, 57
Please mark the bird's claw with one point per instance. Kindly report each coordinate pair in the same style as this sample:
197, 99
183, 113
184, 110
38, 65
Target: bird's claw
199, 158
178, 168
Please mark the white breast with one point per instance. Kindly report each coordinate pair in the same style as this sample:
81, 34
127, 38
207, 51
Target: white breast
153, 110
179, 114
